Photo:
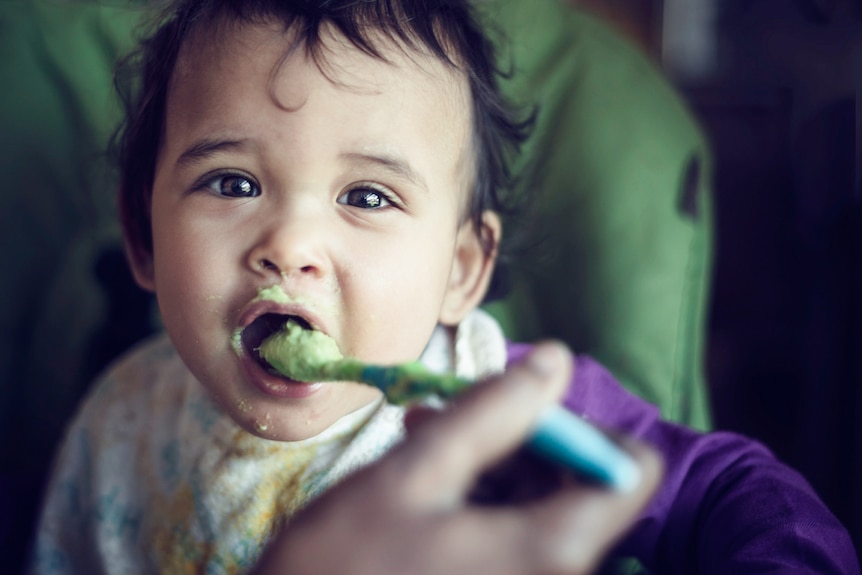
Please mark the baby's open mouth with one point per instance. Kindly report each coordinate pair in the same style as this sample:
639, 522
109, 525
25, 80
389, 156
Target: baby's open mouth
261, 328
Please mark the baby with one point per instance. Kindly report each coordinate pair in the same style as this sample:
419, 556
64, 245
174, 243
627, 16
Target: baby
341, 163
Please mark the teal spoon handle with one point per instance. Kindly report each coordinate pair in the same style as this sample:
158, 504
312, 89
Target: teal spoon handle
563, 437
411, 382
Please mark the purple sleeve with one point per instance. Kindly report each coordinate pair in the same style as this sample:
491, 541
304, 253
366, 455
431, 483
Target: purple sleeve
726, 504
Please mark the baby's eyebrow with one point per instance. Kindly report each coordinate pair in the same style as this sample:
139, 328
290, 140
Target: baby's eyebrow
395, 164
205, 148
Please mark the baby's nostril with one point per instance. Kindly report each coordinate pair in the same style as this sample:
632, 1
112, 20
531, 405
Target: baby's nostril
268, 265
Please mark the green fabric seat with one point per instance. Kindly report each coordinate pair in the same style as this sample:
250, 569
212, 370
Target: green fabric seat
621, 257
57, 113
624, 217
57, 110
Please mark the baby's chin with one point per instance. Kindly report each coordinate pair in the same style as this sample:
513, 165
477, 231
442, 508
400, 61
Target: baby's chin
294, 423
266, 426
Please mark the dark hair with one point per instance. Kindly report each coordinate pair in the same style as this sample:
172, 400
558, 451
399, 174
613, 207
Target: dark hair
449, 29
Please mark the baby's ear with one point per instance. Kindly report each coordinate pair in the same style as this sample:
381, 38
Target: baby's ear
141, 263
475, 255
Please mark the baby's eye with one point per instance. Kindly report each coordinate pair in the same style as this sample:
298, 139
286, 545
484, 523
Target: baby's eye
233, 186
365, 198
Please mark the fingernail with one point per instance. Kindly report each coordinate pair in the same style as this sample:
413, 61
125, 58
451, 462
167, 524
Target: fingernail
545, 359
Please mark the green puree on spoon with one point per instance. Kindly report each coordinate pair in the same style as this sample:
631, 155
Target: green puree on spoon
301, 354
310, 355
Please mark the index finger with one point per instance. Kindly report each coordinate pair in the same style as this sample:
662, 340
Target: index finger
573, 530
568, 532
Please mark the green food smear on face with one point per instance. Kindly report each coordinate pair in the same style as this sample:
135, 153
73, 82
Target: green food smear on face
273, 293
277, 294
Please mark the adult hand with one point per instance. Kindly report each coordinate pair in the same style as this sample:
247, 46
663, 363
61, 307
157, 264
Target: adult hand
411, 512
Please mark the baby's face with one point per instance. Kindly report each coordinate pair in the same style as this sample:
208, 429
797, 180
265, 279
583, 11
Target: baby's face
346, 190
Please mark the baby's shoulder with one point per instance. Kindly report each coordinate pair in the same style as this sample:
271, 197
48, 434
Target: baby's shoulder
119, 455
147, 385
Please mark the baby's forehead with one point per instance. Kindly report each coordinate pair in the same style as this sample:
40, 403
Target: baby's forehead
222, 52
252, 43
328, 47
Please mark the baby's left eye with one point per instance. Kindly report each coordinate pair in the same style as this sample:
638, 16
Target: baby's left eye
236, 186
229, 185
365, 198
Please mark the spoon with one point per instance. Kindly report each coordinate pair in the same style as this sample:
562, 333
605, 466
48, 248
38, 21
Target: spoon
559, 435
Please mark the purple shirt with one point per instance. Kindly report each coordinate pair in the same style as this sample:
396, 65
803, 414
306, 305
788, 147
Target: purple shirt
726, 504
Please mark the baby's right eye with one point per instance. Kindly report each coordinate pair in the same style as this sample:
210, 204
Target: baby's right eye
232, 186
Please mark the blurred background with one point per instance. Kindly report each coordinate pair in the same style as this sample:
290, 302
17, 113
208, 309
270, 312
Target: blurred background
777, 86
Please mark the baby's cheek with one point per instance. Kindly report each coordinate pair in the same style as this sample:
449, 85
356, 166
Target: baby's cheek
391, 324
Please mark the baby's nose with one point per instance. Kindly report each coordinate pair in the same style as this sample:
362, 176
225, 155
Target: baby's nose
291, 245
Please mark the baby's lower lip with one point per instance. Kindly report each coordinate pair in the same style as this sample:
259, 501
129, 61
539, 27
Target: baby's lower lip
277, 386
285, 389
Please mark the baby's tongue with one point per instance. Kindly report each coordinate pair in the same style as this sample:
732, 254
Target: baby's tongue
300, 354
